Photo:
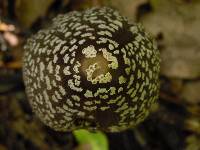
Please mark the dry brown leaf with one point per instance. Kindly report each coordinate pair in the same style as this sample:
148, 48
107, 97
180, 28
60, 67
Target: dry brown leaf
6, 27
28, 11
178, 22
127, 7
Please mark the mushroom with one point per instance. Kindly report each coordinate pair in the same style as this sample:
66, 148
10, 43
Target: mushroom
92, 70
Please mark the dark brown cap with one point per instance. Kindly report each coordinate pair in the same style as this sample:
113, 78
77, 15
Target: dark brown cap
92, 70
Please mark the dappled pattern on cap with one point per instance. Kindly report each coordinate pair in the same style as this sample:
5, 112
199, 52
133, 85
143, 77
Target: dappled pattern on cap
92, 70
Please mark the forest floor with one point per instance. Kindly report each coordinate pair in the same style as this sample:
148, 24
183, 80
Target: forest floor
174, 123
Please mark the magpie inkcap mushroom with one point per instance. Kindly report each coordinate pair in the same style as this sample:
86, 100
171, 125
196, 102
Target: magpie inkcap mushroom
93, 70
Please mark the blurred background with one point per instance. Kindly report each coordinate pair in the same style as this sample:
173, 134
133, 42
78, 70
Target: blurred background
174, 123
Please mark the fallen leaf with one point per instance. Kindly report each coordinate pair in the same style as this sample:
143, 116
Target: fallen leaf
28, 12
178, 23
127, 7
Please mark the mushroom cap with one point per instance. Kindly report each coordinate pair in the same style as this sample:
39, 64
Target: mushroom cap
92, 69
